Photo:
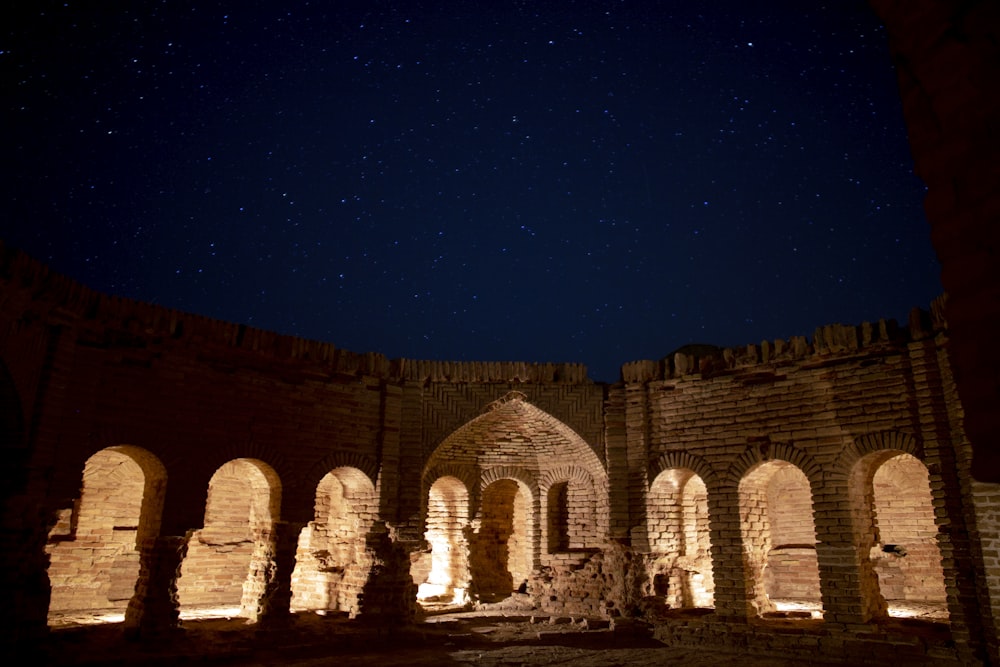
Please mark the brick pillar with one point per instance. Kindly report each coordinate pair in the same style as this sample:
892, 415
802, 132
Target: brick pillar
389, 596
733, 599
404, 413
847, 597
616, 444
25, 583
274, 605
950, 470
154, 609
987, 506
637, 453
844, 539
390, 490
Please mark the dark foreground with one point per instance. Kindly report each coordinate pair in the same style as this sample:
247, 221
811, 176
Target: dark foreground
472, 638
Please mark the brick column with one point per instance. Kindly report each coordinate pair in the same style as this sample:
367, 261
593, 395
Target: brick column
733, 599
274, 605
616, 445
637, 453
389, 596
403, 412
25, 582
847, 597
154, 609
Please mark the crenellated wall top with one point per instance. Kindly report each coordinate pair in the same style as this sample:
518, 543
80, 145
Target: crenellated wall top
829, 342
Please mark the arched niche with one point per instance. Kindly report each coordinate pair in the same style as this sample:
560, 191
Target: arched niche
540, 457
680, 539
95, 545
780, 563
442, 575
897, 533
332, 560
228, 559
501, 558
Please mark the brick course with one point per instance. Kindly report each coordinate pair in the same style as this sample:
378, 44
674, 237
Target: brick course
200, 463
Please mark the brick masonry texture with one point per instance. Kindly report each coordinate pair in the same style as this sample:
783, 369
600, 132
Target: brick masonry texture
709, 486
178, 462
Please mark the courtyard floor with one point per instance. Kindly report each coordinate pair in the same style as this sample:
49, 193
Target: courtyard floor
484, 638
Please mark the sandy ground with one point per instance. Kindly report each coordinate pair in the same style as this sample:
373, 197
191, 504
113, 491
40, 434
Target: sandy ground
469, 638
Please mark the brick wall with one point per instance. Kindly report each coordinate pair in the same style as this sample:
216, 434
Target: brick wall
332, 561
729, 481
223, 565
93, 548
908, 564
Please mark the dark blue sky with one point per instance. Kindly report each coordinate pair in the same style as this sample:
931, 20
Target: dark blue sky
590, 182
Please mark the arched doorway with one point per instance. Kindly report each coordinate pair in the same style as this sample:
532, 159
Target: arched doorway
680, 539
228, 559
501, 559
779, 540
332, 561
893, 501
444, 576
95, 545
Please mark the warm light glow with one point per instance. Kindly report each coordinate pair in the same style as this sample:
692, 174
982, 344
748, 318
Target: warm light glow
447, 516
897, 609
814, 609
108, 617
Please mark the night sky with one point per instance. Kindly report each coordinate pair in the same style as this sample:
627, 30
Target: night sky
591, 182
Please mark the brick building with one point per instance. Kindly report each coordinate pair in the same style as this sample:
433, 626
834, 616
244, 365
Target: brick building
791, 496
172, 462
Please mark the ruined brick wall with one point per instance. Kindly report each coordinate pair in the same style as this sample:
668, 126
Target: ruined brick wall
219, 405
332, 563
789, 470
94, 547
97, 374
816, 410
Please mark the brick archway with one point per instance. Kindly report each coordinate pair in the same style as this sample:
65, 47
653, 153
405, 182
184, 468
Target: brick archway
226, 562
95, 546
332, 560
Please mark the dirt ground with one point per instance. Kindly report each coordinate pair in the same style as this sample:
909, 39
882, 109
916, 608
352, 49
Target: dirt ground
470, 638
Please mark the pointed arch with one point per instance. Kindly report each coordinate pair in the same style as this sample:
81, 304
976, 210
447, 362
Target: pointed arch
762, 450
502, 456
367, 465
685, 460
881, 441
